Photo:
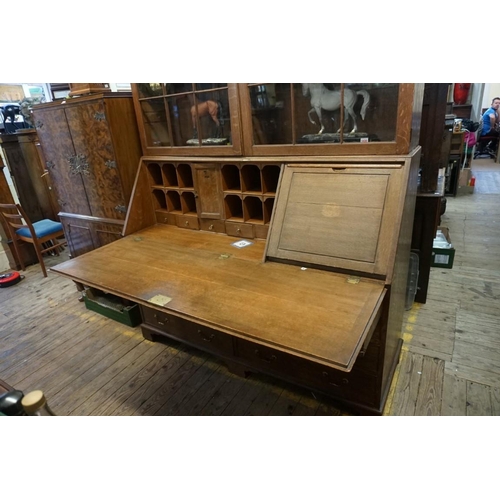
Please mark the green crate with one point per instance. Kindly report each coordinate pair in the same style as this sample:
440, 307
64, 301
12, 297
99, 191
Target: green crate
443, 257
112, 307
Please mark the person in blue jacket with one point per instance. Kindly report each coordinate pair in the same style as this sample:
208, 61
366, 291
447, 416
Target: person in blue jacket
490, 123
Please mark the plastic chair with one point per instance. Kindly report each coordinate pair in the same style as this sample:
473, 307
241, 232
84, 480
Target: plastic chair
42, 235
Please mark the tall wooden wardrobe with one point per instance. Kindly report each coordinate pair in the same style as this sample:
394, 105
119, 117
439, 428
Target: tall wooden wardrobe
91, 148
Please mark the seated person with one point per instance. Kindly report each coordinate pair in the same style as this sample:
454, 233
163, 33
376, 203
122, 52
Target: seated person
490, 123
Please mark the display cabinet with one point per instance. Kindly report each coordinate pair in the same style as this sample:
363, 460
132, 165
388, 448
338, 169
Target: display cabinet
188, 118
277, 119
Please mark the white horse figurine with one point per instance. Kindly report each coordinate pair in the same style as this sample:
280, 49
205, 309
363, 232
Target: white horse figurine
330, 100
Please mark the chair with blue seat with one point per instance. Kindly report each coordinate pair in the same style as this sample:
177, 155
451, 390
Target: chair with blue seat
43, 235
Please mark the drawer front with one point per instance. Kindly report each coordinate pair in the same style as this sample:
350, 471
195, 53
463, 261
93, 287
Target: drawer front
213, 225
205, 338
356, 385
188, 221
165, 218
240, 230
261, 231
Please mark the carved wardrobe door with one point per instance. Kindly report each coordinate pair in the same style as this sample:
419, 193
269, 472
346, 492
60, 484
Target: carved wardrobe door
59, 152
94, 151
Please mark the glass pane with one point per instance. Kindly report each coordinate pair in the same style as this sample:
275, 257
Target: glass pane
178, 88
271, 113
317, 112
210, 119
369, 112
208, 86
149, 89
179, 109
377, 121
155, 122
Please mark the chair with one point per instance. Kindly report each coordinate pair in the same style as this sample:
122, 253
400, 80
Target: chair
42, 235
484, 148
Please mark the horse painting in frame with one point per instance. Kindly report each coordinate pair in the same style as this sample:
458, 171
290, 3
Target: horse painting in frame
330, 100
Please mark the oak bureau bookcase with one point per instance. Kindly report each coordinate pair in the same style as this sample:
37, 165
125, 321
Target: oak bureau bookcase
270, 224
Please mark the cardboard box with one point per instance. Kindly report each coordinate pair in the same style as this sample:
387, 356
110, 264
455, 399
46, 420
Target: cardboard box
464, 177
464, 181
465, 190
443, 257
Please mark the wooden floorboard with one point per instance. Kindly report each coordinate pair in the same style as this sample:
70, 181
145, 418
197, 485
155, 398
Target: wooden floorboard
91, 365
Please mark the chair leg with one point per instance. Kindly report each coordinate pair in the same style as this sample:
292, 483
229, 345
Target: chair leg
18, 254
40, 258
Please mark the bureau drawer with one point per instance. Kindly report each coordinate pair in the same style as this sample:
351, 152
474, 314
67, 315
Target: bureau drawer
188, 221
240, 230
163, 217
213, 225
356, 385
200, 336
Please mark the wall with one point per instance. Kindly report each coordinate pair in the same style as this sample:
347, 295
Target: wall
491, 90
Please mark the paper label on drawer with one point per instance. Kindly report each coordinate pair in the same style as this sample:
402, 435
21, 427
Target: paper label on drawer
160, 300
441, 259
241, 243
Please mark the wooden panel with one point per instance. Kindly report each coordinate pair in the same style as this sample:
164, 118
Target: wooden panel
232, 293
28, 140
20, 174
343, 216
57, 146
106, 233
78, 235
91, 138
209, 191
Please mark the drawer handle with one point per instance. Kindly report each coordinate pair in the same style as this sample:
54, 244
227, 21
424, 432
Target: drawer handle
186, 223
158, 320
266, 359
327, 376
211, 227
238, 230
206, 338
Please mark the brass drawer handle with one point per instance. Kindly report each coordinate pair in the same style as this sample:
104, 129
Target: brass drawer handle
327, 376
206, 338
266, 359
186, 223
158, 320
211, 227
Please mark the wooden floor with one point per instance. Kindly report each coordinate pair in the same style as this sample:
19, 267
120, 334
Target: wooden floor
90, 365
450, 364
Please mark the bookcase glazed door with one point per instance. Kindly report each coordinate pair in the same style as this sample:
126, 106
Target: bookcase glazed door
328, 118
188, 118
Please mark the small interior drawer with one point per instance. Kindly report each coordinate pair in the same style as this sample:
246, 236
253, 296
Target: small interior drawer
240, 230
188, 221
